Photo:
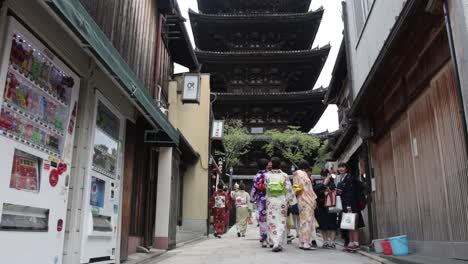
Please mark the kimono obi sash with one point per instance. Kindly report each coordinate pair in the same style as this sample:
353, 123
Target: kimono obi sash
241, 201
276, 188
220, 201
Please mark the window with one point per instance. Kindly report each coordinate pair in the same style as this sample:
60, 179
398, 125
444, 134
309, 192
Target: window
362, 9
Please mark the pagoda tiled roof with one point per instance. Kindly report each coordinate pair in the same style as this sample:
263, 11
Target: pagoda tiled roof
302, 95
216, 31
258, 56
253, 6
260, 17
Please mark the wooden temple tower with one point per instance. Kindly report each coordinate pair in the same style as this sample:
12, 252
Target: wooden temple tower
263, 68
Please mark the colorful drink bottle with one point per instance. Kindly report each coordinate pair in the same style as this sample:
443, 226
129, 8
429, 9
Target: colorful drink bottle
43, 108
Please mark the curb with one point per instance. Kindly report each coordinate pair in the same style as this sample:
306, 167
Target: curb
191, 241
369, 255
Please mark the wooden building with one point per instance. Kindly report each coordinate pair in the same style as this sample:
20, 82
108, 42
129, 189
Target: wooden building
262, 64
406, 114
150, 36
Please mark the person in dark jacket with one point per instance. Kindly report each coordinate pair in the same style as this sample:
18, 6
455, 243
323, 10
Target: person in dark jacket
327, 221
351, 190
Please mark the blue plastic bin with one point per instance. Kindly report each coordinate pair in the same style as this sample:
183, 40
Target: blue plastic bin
400, 245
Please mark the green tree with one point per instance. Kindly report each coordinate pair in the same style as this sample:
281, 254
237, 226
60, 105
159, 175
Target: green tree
324, 154
292, 143
236, 142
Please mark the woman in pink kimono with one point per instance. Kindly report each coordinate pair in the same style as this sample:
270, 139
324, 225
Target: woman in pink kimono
307, 201
279, 196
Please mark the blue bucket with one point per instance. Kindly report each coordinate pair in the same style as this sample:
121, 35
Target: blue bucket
400, 245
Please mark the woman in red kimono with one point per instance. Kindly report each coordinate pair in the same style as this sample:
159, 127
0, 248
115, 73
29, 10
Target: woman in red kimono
220, 205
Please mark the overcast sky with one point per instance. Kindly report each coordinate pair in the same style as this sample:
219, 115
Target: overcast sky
330, 32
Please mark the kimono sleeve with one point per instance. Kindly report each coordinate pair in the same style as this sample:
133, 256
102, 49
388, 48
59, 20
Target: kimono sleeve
211, 201
290, 196
249, 204
228, 201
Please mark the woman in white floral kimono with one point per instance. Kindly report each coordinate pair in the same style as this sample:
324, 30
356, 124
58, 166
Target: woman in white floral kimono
279, 196
243, 210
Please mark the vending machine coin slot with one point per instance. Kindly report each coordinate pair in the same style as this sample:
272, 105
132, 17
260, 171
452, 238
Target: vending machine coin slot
24, 218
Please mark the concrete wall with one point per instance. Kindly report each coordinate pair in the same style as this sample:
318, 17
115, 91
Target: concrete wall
364, 46
193, 121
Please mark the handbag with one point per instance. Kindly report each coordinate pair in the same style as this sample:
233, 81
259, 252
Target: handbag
290, 221
250, 221
330, 199
348, 221
298, 189
338, 207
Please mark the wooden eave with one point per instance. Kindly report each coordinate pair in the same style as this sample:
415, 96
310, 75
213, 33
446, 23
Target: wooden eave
205, 26
255, 57
224, 6
311, 96
339, 75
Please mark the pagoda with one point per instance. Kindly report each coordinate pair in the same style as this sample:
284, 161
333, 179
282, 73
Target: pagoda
262, 64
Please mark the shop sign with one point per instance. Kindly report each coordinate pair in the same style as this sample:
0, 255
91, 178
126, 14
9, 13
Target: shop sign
218, 129
191, 89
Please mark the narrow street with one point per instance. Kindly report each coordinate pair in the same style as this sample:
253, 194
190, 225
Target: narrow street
231, 249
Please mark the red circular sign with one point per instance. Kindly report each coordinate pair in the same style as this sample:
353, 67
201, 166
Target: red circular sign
54, 177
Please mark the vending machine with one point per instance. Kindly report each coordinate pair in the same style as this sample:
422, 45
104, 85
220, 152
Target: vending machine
101, 222
38, 104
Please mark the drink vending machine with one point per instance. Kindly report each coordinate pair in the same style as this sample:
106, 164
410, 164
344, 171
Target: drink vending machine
38, 107
100, 225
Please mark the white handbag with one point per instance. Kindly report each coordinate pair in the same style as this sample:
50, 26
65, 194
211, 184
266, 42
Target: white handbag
348, 221
338, 207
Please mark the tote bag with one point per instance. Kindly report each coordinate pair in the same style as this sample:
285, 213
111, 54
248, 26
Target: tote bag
348, 221
338, 207
330, 199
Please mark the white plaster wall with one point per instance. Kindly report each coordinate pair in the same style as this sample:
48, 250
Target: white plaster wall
364, 51
163, 200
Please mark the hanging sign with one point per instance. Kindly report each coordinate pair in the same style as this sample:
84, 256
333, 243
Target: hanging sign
218, 129
191, 89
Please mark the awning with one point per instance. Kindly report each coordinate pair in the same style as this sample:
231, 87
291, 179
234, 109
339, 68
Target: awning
82, 24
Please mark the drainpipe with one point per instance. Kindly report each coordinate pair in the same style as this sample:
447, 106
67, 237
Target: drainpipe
448, 25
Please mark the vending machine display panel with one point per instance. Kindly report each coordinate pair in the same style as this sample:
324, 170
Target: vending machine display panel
25, 173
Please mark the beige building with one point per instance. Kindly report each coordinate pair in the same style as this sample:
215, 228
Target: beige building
193, 121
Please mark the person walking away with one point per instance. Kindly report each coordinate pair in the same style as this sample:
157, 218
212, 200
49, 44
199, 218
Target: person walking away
306, 200
351, 190
279, 196
243, 210
327, 221
220, 205
227, 216
258, 196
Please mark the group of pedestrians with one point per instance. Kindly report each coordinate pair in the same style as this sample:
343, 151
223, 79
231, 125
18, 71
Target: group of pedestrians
273, 194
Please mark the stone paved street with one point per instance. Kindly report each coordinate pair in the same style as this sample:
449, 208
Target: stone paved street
231, 249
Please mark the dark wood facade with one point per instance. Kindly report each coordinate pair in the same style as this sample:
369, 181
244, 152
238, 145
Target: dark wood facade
150, 36
418, 146
132, 26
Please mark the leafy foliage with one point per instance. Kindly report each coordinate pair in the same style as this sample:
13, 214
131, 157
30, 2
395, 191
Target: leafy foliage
236, 141
291, 143
323, 154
